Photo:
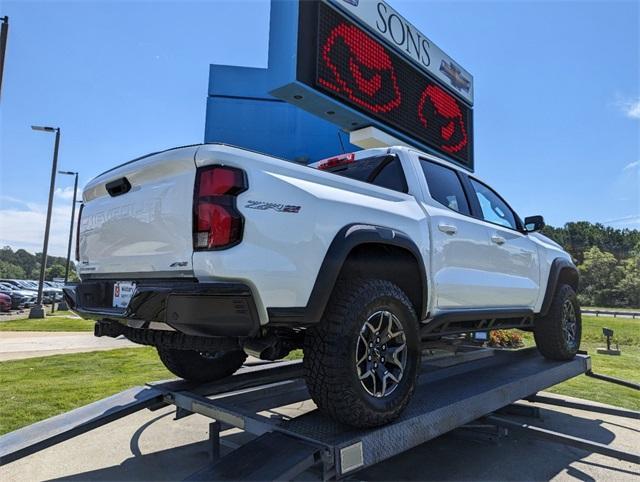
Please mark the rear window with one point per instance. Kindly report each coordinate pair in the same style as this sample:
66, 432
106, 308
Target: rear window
383, 171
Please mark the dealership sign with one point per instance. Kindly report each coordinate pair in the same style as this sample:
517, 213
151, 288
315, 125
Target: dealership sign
411, 43
359, 64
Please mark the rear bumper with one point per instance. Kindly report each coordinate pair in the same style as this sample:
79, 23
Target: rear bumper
190, 307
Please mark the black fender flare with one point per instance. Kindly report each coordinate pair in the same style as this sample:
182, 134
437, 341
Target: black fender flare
557, 267
345, 240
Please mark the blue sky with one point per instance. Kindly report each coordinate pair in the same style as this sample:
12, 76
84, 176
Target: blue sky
557, 96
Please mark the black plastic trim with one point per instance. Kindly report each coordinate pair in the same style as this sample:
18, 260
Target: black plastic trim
344, 242
118, 187
190, 307
557, 266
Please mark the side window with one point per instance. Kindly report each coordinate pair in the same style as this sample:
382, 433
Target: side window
444, 186
494, 209
383, 171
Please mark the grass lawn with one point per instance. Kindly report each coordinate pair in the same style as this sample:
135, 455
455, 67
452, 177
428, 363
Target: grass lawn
625, 366
37, 388
34, 389
60, 321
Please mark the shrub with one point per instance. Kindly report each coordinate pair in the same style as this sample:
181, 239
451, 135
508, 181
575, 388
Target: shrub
505, 339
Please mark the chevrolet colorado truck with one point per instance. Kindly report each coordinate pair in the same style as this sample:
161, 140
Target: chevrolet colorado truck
212, 252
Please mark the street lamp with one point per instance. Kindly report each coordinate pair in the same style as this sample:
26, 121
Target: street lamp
73, 214
38, 310
4, 33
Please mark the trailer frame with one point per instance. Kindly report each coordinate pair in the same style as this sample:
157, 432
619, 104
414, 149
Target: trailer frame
470, 386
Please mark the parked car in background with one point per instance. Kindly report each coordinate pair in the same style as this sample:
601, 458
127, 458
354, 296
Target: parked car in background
5, 302
48, 294
19, 298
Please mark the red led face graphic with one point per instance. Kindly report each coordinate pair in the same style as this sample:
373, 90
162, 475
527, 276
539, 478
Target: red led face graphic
440, 113
362, 69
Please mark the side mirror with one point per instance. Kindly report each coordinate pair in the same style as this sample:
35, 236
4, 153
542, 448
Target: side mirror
533, 223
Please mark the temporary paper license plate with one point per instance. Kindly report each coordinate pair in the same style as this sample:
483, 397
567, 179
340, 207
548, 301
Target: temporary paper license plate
122, 293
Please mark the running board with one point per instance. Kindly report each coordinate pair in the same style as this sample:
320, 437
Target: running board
457, 322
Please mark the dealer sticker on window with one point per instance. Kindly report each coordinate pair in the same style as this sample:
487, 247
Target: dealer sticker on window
122, 293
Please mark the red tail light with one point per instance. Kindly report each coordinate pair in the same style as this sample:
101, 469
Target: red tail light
217, 223
336, 161
78, 233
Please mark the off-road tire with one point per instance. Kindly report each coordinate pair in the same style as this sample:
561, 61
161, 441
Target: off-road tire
201, 367
330, 353
548, 332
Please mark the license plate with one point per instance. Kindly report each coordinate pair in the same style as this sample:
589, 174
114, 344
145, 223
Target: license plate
122, 293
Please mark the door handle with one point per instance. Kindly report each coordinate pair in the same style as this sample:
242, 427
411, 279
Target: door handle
447, 228
497, 239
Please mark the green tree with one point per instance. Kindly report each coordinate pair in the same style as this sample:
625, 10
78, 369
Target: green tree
600, 276
55, 271
629, 285
10, 270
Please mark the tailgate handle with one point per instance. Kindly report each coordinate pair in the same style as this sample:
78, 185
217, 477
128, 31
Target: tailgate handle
118, 187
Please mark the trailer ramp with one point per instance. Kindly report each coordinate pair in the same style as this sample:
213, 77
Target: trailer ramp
451, 392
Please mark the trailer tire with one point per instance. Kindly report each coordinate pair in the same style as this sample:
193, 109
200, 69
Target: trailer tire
558, 333
342, 349
198, 366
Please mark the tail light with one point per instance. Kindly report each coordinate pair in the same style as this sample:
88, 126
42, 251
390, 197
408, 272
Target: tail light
78, 233
336, 161
217, 223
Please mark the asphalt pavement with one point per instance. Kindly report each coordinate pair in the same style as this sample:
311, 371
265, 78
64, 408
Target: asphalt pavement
152, 446
17, 345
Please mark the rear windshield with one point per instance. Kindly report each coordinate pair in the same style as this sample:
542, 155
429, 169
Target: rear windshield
384, 171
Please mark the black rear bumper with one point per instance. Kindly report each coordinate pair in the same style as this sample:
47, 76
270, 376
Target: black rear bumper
190, 307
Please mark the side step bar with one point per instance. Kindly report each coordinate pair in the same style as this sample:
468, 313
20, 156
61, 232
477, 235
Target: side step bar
466, 321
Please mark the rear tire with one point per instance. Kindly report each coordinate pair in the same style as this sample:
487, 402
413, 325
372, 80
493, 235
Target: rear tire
346, 371
201, 366
558, 333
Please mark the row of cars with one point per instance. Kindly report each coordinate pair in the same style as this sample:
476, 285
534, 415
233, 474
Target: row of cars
17, 294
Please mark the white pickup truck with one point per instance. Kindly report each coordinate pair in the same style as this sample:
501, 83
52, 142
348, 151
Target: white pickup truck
212, 252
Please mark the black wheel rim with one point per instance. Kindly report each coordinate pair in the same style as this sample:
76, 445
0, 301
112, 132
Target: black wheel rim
381, 354
569, 324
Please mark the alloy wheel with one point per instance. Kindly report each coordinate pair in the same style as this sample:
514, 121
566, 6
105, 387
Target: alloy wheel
381, 354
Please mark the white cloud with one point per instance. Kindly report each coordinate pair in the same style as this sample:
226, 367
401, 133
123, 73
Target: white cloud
631, 165
22, 223
629, 106
64, 193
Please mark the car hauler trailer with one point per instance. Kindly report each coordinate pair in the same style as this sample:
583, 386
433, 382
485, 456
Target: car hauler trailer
469, 384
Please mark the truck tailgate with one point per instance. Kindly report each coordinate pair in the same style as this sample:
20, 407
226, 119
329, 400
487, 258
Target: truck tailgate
137, 219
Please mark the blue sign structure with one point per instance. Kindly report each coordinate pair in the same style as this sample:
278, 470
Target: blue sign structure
336, 67
241, 112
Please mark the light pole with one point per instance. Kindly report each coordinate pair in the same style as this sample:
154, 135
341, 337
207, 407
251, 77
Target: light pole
38, 310
63, 304
4, 33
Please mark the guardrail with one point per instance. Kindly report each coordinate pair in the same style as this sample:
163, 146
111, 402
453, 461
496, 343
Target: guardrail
613, 313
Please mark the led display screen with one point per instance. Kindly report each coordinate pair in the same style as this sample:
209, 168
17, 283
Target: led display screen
343, 60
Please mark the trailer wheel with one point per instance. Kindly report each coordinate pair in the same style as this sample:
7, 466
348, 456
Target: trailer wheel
201, 366
558, 333
361, 361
